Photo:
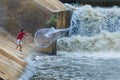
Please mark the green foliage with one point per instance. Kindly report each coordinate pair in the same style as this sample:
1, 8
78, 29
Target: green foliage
52, 20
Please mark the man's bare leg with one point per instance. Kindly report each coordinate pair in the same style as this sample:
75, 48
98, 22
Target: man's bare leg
20, 47
17, 46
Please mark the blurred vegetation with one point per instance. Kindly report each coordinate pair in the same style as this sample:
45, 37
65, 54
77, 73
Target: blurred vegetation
94, 2
70, 1
52, 21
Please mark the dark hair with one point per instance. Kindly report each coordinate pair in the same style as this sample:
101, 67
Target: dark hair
22, 30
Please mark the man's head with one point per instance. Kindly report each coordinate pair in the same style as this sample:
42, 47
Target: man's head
22, 30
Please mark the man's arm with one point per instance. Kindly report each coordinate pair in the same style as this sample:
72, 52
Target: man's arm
28, 34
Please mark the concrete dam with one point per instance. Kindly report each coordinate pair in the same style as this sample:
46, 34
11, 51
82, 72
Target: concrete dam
18, 14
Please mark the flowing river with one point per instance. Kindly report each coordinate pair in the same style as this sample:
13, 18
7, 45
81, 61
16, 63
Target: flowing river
91, 52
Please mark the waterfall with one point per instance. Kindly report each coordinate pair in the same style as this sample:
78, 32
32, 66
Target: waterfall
94, 29
89, 21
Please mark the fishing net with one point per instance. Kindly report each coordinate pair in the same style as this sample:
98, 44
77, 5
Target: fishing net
45, 37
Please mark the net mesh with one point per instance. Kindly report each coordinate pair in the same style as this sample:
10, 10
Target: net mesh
45, 37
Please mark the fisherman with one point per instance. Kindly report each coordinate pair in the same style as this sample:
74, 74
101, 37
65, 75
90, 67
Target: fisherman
20, 37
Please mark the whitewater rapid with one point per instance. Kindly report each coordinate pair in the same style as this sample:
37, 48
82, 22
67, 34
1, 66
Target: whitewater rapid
73, 66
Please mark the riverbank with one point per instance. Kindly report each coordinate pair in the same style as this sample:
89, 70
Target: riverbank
12, 61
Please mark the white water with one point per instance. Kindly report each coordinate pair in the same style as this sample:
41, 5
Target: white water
90, 21
104, 41
94, 29
74, 66
91, 53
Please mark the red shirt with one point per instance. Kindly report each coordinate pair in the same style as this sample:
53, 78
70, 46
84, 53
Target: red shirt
20, 35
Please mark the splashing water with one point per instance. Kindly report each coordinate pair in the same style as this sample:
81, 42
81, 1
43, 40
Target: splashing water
95, 29
105, 41
90, 21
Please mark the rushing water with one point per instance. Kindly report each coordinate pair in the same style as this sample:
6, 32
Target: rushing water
92, 52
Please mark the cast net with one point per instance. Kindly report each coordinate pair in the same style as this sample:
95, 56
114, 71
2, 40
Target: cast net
45, 37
